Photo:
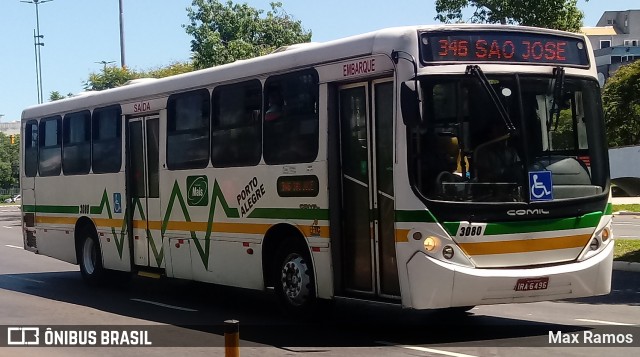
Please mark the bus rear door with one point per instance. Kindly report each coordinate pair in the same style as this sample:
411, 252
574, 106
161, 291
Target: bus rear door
28, 172
143, 191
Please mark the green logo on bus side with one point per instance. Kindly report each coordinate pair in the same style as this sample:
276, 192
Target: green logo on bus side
197, 191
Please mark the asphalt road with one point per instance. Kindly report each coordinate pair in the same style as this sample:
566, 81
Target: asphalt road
43, 292
626, 226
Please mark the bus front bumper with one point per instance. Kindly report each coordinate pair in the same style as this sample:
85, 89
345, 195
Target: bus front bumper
437, 284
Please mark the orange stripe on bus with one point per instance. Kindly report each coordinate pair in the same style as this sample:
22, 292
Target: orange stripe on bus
107, 222
56, 220
217, 227
526, 245
402, 235
220, 227
186, 226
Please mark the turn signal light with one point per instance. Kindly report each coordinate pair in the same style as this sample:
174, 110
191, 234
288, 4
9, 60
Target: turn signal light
447, 252
605, 234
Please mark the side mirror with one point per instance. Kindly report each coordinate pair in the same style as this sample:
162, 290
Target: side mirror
410, 104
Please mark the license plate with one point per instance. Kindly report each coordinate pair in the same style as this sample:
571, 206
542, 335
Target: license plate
532, 284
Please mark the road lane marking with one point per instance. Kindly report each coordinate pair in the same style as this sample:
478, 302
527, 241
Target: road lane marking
165, 305
13, 246
7, 227
606, 322
25, 279
625, 291
425, 349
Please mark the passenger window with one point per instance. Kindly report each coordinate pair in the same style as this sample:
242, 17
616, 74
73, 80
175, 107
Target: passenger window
291, 118
236, 138
76, 149
31, 148
107, 140
50, 144
188, 130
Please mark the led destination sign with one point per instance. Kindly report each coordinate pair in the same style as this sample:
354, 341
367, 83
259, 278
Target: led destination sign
513, 47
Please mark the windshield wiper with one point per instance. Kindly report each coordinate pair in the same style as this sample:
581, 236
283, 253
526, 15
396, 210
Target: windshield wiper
476, 71
558, 89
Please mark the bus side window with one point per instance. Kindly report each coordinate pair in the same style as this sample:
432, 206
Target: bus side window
31, 148
76, 140
291, 118
188, 130
50, 146
236, 131
106, 127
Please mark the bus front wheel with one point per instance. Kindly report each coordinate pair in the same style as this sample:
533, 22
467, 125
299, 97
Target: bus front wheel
294, 283
90, 259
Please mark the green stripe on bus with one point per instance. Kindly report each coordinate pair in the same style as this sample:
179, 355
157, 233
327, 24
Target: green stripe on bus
415, 216
451, 227
289, 213
589, 220
51, 209
609, 209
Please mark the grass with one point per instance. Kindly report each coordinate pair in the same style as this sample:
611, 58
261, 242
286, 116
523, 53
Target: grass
628, 208
627, 250
9, 204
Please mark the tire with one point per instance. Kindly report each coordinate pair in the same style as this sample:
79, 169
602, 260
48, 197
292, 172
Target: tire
457, 310
294, 281
90, 259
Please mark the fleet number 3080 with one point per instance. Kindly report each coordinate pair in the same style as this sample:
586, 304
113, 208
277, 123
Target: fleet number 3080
469, 231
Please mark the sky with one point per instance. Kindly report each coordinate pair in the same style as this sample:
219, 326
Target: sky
81, 34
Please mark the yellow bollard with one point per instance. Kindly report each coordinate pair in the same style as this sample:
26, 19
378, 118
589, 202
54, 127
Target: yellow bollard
232, 338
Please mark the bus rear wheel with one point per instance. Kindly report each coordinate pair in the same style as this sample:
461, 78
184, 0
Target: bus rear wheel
457, 310
294, 283
90, 259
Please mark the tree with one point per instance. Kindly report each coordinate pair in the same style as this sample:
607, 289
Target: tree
170, 70
55, 95
112, 76
9, 160
223, 33
553, 14
621, 100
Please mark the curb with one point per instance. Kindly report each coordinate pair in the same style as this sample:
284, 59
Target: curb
626, 266
626, 213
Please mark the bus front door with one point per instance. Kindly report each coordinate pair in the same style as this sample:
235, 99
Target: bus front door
369, 264
143, 191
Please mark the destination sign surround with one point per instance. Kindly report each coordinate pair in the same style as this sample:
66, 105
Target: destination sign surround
495, 46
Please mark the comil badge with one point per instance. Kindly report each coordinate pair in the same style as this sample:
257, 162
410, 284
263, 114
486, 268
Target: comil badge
197, 191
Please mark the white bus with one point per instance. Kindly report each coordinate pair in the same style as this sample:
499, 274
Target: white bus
428, 166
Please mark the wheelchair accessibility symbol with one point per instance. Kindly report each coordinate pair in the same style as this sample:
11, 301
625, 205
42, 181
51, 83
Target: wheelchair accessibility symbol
541, 187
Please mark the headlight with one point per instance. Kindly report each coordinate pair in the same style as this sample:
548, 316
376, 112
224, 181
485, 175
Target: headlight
430, 243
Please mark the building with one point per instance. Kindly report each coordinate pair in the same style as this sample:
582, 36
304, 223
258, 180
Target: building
11, 128
615, 40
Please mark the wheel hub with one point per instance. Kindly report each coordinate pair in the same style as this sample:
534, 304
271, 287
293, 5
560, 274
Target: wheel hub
295, 280
89, 256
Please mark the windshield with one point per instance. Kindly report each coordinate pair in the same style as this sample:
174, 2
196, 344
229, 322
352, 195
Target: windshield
550, 147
